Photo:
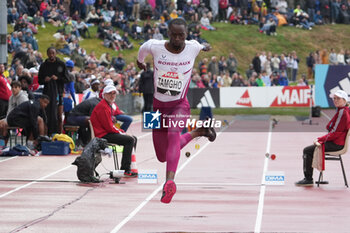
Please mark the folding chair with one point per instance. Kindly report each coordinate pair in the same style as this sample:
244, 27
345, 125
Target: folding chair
336, 156
14, 136
114, 151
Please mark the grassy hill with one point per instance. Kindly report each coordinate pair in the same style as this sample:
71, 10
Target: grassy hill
243, 41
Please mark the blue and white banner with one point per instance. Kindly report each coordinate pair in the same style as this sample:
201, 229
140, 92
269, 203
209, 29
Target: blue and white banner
329, 79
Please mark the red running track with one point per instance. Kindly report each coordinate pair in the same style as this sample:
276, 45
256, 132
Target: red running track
219, 188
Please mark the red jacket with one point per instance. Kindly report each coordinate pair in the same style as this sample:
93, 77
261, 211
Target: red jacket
5, 88
338, 127
101, 119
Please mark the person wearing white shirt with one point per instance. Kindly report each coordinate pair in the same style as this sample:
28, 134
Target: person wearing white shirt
173, 62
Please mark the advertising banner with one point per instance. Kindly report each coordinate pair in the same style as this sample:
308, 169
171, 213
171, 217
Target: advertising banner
279, 96
329, 79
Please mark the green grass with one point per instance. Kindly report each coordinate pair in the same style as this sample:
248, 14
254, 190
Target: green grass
243, 41
302, 111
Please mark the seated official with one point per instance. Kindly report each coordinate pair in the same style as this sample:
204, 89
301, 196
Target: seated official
30, 116
333, 141
80, 115
101, 119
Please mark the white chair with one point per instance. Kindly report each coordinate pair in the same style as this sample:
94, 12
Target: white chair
114, 147
336, 156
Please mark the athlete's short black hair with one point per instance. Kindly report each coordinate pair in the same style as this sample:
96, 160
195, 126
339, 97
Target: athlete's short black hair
49, 48
177, 21
43, 96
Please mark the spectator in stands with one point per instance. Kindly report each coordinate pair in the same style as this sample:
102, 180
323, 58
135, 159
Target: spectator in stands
252, 80
310, 63
93, 91
232, 64
157, 35
79, 85
267, 65
274, 77
119, 63
93, 17
105, 60
189, 12
136, 31
257, 63
236, 81
333, 57
5, 92
283, 80
265, 77
318, 18
213, 66
259, 80
136, 10
104, 128
249, 71
268, 26
333, 141
341, 57
18, 96
83, 28
275, 63
26, 80
223, 6
226, 80
295, 66
205, 23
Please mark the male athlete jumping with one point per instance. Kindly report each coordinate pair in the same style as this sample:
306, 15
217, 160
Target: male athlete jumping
173, 62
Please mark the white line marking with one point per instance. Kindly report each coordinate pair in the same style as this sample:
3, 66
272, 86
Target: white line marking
324, 114
26, 185
263, 187
144, 135
8, 159
154, 193
218, 184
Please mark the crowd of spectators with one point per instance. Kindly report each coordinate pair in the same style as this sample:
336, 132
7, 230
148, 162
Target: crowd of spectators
118, 20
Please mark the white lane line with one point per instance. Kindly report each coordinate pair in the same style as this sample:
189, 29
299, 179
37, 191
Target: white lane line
8, 159
144, 135
26, 185
260, 210
217, 184
154, 193
324, 114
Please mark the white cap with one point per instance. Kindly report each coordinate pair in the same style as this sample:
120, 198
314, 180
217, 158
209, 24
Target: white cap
33, 70
94, 82
108, 82
111, 69
341, 94
109, 89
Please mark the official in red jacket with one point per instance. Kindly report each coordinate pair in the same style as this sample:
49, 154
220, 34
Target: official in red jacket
334, 140
101, 119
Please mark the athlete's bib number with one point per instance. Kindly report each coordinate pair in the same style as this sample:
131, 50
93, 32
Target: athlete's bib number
170, 83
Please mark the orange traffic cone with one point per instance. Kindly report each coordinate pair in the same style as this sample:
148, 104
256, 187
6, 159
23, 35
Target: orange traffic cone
133, 165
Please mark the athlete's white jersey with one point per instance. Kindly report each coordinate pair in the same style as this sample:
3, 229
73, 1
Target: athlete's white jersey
172, 72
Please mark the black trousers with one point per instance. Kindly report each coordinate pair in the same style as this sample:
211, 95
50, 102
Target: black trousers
308, 155
128, 143
3, 108
148, 99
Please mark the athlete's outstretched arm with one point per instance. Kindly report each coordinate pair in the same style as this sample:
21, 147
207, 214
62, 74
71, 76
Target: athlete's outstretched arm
143, 52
